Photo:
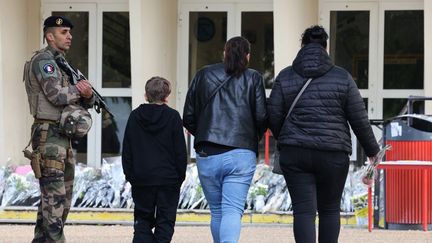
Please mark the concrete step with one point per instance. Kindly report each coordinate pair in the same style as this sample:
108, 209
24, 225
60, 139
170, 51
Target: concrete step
108, 216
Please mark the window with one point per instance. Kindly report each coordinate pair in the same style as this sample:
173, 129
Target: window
403, 49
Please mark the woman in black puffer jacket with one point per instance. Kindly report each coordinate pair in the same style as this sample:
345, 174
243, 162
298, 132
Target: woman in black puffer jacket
314, 141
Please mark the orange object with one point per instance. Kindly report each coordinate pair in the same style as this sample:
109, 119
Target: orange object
408, 193
408, 189
409, 150
370, 209
267, 147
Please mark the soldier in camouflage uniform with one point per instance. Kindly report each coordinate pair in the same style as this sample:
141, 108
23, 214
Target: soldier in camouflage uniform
49, 91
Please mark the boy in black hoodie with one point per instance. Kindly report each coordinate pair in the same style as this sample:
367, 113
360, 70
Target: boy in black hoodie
154, 162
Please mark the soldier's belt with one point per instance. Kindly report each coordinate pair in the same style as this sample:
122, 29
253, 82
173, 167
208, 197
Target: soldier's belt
47, 163
42, 121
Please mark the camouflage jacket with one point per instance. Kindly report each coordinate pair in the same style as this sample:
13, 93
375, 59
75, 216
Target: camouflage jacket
48, 87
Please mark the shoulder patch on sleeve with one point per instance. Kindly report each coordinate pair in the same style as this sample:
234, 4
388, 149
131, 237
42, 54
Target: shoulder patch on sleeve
48, 69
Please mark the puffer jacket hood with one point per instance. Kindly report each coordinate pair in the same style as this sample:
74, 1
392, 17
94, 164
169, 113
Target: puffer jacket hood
312, 61
150, 117
322, 116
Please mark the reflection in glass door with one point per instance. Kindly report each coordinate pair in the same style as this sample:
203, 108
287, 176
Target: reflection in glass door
116, 64
403, 49
403, 66
257, 27
113, 127
116, 80
349, 47
353, 35
382, 46
207, 36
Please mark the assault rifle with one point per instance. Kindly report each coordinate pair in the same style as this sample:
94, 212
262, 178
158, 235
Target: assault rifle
77, 76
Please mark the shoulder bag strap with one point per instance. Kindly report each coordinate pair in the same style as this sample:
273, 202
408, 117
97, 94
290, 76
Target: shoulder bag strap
297, 97
216, 90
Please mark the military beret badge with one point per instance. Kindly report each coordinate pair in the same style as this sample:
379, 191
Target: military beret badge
59, 21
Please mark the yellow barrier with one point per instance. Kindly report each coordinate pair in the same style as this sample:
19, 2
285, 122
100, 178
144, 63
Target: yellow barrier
119, 216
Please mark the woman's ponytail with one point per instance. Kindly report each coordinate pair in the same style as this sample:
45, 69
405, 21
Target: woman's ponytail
235, 58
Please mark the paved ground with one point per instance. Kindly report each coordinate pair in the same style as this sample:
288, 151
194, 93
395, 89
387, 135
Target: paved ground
200, 234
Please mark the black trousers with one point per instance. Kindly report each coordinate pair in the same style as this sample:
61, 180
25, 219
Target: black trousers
315, 180
155, 207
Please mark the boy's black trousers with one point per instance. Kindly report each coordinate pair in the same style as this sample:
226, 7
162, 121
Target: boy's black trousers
155, 207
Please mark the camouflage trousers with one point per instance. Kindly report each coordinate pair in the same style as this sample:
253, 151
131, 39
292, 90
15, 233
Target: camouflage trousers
56, 186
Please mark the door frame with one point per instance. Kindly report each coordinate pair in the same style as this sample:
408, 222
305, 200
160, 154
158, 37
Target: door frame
92, 63
394, 93
2, 89
183, 42
375, 92
95, 10
371, 93
233, 11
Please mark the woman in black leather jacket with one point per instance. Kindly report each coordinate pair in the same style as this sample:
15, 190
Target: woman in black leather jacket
225, 110
314, 140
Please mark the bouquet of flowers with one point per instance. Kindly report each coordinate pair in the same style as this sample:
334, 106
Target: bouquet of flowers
369, 172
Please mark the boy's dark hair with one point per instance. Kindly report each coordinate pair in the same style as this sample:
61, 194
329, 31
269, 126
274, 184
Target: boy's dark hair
315, 34
235, 60
157, 89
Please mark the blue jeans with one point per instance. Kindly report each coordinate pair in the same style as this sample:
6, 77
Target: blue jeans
225, 179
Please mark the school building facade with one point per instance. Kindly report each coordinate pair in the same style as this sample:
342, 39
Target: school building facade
119, 44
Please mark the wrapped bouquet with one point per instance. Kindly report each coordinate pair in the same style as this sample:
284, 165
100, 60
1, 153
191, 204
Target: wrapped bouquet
370, 170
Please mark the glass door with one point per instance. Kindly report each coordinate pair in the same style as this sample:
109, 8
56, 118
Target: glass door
352, 43
255, 23
352, 32
207, 35
382, 45
82, 57
401, 56
203, 31
101, 50
114, 77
